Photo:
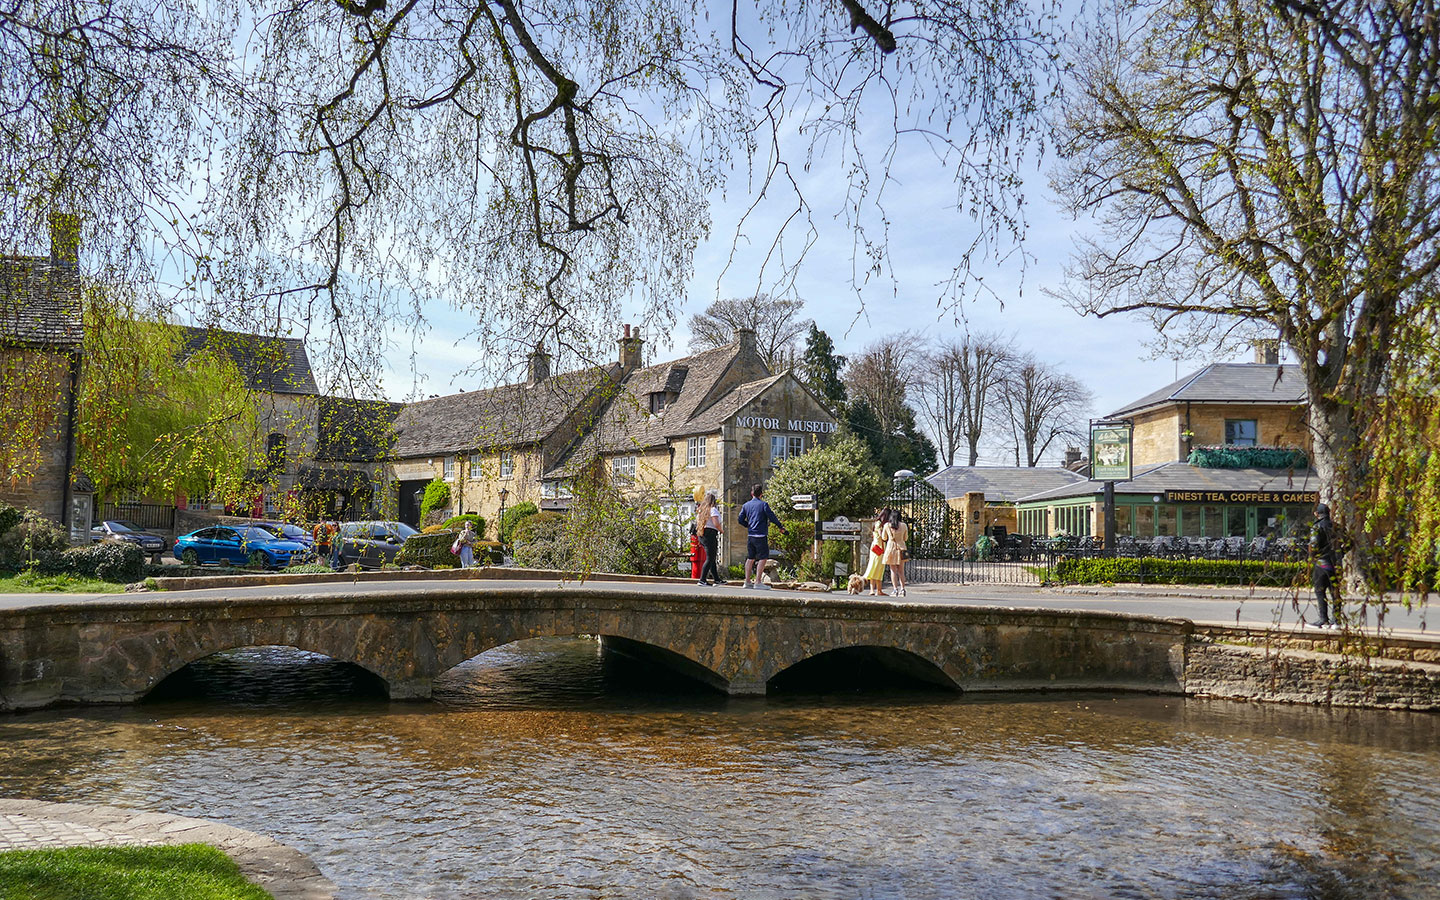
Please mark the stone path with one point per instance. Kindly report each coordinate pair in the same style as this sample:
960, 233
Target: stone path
284, 871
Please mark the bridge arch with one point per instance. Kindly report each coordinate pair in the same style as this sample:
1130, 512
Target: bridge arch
863, 665
290, 673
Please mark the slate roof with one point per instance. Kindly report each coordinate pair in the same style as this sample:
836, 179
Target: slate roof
1228, 383
275, 364
355, 430
1004, 484
1158, 478
506, 416
627, 424
40, 302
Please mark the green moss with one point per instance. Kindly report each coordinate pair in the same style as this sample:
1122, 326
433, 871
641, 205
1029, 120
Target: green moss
192, 871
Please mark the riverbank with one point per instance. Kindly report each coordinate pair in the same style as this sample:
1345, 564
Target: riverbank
284, 871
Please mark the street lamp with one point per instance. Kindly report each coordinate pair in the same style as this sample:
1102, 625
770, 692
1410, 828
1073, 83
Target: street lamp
504, 495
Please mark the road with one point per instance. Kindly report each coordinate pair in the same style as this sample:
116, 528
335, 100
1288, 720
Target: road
1204, 605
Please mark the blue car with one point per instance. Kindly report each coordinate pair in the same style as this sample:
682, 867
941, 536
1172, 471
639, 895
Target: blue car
237, 545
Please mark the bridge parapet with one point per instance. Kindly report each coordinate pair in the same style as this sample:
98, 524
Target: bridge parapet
117, 649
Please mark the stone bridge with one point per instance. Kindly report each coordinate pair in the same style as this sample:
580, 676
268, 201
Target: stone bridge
116, 649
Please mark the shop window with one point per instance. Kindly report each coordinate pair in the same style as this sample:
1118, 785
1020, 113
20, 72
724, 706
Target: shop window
1298, 520
448, 467
507, 464
1241, 432
695, 453
622, 469
1123, 521
1214, 522
476, 468
1235, 521
1165, 523
1144, 521
1190, 521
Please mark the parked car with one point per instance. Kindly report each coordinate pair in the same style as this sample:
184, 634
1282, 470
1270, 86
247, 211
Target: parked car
372, 544
238, 545
287, 532
130, 533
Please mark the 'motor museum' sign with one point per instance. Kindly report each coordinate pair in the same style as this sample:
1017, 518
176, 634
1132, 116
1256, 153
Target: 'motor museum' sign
1278, 498
771, 422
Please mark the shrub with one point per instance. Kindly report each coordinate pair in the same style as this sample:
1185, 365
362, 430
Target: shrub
540, 543
1097, 570
10, 516
1228, 457
513, 517
34, 542
429, 550
796, 542
489, 553
113, 561
437, 496
831, 552
456, 523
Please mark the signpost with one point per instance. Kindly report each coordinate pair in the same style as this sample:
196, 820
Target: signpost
1110, 461
803, 501
840, 529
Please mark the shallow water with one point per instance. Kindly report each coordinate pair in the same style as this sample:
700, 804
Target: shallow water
549, 769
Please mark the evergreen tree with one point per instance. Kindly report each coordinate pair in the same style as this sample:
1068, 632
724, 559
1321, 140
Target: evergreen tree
904, 448
820, 368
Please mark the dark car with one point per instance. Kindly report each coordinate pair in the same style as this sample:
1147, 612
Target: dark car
287, 532
237, 545
130, 533
372, 544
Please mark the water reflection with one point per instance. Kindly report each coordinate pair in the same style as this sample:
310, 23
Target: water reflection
549, 769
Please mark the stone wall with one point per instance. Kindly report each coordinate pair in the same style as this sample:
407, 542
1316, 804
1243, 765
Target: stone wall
1157, 436
1238, 672
44, 489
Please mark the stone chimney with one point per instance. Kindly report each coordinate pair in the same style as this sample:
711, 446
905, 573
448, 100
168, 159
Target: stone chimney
64, 238
630, 346
537, 366
1267, 353
1072, 457
745, 337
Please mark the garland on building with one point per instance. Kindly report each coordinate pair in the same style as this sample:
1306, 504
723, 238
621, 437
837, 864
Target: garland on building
1228, 457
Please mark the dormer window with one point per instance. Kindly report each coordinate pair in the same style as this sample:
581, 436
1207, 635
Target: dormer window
658, 401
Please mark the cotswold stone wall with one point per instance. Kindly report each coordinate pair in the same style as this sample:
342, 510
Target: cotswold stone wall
1297, 676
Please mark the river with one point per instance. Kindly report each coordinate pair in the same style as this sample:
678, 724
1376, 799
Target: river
548, 769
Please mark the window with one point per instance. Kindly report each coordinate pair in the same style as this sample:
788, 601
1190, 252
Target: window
556, 490
783, 447
797, 445
1165, 522
777, 449
695, 453
658, 400
507, 464
1241, 432
475, 467
275, 451
1235, 521
448, 466
622, 469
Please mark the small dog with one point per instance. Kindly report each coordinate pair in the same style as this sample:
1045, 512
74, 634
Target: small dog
856, 584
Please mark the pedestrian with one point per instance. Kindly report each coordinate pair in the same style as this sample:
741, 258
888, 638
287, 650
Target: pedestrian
707, 519
336, 560
895, 533
321, 534
1322, 559
875, 572
757, 517
465, 542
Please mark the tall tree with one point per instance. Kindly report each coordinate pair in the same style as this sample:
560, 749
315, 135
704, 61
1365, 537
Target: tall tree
1042, 404
882, 374
776, 323
901, 447
330, 165
1270, 162
820, 367
958, 388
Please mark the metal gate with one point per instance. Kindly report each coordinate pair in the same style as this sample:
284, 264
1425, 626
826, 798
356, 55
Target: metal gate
938, 553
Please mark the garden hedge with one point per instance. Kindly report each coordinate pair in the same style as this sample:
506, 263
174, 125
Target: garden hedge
1248, 458
1103, 569
429, 550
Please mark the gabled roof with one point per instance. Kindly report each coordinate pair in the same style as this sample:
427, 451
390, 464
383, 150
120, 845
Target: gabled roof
40, 302
270, 363
626, 423
1158, 478
355, 430
506, 416
1005, 484
1228, 383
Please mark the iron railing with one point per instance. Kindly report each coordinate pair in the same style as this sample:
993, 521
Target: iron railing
150, 516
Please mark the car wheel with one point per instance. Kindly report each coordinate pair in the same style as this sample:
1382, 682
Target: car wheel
259, 560
190, 558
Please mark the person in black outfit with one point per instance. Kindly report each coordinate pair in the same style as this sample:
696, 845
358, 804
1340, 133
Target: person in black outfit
707, 519
1322, 558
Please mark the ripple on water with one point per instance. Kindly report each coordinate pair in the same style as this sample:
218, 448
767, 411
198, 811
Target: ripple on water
549, 770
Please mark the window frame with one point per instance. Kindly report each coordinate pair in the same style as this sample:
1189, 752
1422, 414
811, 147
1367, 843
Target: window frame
475, 467
447, 467
1254, 438
507, 464
622, 469
695, 452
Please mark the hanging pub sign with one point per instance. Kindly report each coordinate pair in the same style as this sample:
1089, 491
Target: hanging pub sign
1268, 498
1110, 451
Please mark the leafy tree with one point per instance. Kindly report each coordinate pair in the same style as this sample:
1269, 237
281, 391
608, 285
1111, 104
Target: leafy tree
513, 517
437, 498
156, 419
1270, 164
533, 162
820, 368
775, 321
839, 473
904, 448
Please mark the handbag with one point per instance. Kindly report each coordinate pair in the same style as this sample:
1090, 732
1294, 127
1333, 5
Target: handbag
455, 547
877, 549
904, 554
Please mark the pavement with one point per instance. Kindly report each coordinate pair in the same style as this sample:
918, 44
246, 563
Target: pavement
284, 871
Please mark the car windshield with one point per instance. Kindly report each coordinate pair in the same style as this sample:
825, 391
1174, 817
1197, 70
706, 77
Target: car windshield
294, 532
401, 530
121, 525
256, 533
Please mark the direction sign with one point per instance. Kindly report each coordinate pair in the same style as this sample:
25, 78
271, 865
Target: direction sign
840, 523
805, 506
802, 498
841, 536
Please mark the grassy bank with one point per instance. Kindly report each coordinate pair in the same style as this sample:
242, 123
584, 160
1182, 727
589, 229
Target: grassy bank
31, 583
191, 871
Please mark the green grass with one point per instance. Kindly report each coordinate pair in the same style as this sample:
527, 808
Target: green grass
30, 583
189, 871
